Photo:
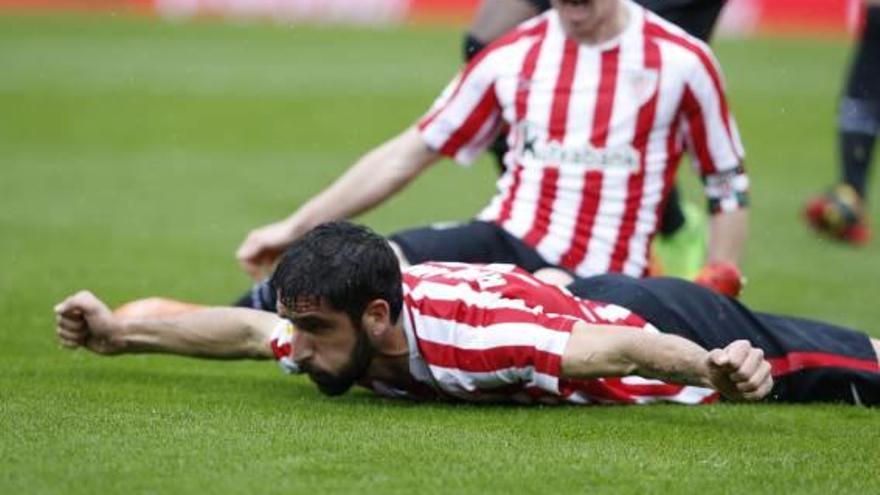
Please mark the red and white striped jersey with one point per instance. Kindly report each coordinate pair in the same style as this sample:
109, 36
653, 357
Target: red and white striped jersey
596, 133
495, 333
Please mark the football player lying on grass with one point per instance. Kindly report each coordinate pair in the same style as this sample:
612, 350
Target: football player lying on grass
495, 333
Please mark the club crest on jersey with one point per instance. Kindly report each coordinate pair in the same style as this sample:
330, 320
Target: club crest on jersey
643, 84
530, 144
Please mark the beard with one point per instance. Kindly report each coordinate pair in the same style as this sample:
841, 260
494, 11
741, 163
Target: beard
359, 361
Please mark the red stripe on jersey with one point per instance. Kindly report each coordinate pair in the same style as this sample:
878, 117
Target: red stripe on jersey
556, 132
595, 389
605, 97
592, 190
547, 197
562, 93
697, 129
645, 390
636, 182
586, 216
507, 39
659, 31
476, 316
797, 361
525, 76
507, 204
472, 125
673, 156
489, 360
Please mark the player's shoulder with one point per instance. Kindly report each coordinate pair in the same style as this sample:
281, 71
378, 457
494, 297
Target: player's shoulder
678, 44
524, 33
455, 271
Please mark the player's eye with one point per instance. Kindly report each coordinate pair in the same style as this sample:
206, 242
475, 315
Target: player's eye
310, 324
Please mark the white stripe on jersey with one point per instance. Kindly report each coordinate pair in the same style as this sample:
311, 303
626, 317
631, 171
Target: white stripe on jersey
464, 384
469, 337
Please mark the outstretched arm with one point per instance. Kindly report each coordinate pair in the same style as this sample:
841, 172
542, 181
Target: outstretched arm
83, 320
372, 179
739, 371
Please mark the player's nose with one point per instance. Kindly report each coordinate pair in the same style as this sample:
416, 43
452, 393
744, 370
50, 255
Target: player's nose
303, 350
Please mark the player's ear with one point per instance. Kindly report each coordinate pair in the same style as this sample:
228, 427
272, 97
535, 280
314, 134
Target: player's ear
376, 319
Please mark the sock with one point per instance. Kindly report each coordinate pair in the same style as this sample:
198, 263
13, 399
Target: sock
856, 152
671, 218
859, 115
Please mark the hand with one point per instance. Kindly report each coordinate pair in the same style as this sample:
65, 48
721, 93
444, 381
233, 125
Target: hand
82, 320
262, 247
722, 277
740, 372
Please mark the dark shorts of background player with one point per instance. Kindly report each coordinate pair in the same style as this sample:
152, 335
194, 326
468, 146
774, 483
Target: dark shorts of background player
472, 242
812, 361
697, 17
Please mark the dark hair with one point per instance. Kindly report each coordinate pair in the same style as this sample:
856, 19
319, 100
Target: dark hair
344, 264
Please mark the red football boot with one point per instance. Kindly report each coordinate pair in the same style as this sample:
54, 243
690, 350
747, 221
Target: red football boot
722, 277
839, 214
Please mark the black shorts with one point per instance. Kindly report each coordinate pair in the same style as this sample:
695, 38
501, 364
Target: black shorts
697, 17
471, 242
812, 361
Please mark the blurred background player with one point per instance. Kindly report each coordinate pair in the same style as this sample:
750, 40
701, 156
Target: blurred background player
840, 213
680, 248
598, 101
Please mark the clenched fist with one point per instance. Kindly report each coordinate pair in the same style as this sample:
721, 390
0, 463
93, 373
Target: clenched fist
83, 320
262, 247
740, 372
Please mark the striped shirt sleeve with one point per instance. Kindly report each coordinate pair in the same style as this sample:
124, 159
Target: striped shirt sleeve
712, 136
476, 342
282, 346
466, 117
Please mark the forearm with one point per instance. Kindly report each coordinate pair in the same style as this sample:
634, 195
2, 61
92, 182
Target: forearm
596, 351
220, 333
669, 358
728, 232
370, 181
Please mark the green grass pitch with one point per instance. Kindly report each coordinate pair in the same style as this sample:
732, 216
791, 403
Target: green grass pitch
135, 155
